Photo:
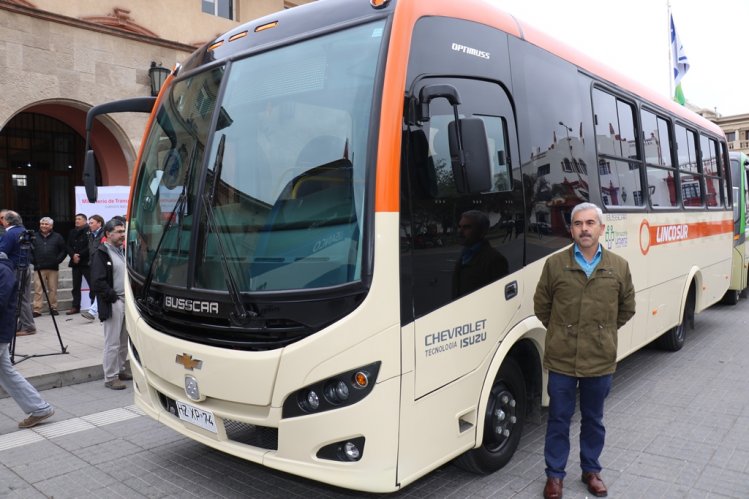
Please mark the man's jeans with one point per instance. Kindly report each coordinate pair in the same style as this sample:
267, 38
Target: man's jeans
562, 391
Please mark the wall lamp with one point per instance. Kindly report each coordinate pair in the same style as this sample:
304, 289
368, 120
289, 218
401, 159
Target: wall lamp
158, 75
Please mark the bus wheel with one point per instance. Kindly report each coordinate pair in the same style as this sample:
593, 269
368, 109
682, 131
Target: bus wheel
503, 422
674, 338
731, 297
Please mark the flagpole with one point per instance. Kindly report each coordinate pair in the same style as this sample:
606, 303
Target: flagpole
671, 62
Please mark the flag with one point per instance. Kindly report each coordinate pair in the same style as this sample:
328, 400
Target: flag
680, 63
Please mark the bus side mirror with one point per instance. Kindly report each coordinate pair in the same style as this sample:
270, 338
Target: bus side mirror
89, 176
475, 173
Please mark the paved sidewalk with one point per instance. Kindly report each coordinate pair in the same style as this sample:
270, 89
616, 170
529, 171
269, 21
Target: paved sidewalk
83, 340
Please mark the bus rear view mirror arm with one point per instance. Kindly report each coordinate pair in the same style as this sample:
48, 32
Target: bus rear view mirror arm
135, 105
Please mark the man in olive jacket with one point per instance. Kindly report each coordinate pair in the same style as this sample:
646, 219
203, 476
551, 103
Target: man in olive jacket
585, 294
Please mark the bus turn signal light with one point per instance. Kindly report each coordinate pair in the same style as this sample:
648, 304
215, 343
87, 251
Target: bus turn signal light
378, 4
361, 379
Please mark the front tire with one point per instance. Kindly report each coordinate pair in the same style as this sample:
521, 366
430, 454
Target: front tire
503, 422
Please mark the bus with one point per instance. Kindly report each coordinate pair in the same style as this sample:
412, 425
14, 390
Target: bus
740, 261
303, 290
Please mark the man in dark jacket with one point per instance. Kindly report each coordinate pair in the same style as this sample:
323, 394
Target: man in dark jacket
13, 383
49, 252
585, 294
108, 282
10, 244
79, 260
95, 235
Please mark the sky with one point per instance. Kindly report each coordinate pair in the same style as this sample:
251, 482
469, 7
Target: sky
633, 37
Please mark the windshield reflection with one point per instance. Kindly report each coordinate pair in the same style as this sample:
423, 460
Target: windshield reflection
284, 176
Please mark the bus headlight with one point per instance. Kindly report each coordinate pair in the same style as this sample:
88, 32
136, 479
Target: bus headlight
311, 401
337, 391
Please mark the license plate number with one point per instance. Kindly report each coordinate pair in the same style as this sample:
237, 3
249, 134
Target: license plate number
196, 416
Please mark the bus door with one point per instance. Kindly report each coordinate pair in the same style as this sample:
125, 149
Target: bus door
460, 248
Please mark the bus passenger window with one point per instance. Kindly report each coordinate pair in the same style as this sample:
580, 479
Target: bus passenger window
712, 171
689, 167
619, 158
661, 174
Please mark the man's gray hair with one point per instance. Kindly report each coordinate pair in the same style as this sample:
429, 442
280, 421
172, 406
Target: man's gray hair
13, 218
479, 217
587, 206
46, 220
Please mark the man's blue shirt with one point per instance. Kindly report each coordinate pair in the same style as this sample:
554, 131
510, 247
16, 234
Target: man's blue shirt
588, 267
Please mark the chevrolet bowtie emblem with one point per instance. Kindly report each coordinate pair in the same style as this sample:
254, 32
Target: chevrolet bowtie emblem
186, 360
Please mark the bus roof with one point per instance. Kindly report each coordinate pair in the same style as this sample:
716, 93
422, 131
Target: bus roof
487, 13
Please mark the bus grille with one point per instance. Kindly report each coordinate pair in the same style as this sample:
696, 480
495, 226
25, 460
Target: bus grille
257, 436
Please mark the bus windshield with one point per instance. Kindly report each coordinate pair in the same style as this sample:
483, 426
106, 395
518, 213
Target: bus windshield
265, 188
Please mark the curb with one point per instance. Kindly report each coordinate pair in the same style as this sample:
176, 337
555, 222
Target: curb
64, 378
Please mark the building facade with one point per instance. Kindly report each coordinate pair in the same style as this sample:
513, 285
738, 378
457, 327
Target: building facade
59, 59
736, 128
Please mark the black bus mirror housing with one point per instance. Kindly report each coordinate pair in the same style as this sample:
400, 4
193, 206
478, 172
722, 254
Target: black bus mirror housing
473, 174
89, 176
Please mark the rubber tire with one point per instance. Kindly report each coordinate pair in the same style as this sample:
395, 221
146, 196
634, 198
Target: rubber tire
674, 339
731, 297
496, 451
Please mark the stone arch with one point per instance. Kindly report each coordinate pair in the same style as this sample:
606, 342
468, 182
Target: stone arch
114, 151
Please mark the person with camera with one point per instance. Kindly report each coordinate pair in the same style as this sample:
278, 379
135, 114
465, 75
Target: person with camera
16, 244
15, 385
49, 251
79, 260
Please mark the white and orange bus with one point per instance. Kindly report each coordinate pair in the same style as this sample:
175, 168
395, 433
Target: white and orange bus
298, 294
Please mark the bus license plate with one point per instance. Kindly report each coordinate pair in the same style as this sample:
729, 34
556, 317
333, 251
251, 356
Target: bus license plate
196, 416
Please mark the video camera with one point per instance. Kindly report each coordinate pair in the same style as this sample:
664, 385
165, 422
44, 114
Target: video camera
26, 237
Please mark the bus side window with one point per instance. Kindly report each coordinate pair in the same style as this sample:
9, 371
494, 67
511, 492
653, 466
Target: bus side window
616, 141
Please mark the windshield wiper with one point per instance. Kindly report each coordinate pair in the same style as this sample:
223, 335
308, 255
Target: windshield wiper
241, 316
177, 210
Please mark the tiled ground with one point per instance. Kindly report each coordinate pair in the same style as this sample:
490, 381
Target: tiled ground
678, 427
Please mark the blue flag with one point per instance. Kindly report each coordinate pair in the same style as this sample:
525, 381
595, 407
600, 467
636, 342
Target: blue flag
680, 63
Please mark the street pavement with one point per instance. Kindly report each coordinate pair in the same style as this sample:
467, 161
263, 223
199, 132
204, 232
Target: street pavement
39, 357
677, 427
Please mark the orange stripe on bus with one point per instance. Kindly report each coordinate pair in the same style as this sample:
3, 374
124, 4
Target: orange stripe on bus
656, 235
146, 132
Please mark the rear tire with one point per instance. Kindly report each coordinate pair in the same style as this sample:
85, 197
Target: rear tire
731, 297
503, 422
675, 337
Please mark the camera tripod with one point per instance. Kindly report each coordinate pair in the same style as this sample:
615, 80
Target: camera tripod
24, 280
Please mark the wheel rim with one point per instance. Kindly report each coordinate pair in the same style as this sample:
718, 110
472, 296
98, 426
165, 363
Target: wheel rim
501, 419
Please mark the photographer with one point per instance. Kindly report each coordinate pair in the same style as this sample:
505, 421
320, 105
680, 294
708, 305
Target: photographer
13, 383
18, 255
